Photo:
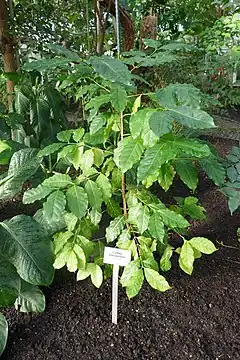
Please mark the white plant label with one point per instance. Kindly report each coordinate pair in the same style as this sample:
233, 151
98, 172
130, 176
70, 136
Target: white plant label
116, 257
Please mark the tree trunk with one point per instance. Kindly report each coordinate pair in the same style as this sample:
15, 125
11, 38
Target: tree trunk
125, 22
7, 47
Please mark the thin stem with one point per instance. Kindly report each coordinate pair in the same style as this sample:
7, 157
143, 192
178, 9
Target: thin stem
123, 176
228, 246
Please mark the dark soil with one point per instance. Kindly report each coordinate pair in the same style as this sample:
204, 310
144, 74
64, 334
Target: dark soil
197, 319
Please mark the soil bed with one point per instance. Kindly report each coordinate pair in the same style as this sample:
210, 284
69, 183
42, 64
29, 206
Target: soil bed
197, 319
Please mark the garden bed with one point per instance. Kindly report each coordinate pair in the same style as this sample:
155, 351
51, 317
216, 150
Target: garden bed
197, 319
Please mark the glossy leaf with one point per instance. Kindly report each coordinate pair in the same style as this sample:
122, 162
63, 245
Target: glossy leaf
188, 173
38, 193
165, 262
166, 175
139, 216
203, 245
54, 207
94, 194
3, 333
186, 258
26, 244
77, 201
128, 153
115, 228
156, 226
104, 185
119, 99
30, 298
155, 280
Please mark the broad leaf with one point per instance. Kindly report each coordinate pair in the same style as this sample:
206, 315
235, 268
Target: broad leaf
57, 181
213, 169
156, 226
24, 163
77, 201
105, 186
186, 258
96, 275
111, 69
154, 158
97, 123
139, 216
203, 245
115, 228
50, 149
113, 208
9, 280
160, 123
193, 118
128, 153
191, 208
172, 219
3, 333
155, 280
188, 173
166, 175
26, 244
119, 99
128, 272
165, 262
54, 207
94, 195
30, 298
135, 284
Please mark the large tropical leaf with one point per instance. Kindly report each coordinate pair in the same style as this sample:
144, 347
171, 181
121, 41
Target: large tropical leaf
3, 333
24, 163
9, 280
27, 246
111, 69
30, 298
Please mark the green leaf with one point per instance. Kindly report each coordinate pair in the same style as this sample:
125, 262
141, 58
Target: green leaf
191, 208
104, 185
119, 99
128, 153
188, 173
38, 193
9, 280
57, 181
96, 275
98, 156
139, 216
50, 149
190, 147
156, 226
166, 175
97, 123
24, 163
78, 134
51, 227
67, 152
54, 207
214, 169
160, 123
115, 228
111, 69
79, 251
3, 333
77, 201
193, 118
65, 135
87, 160
95, 216
26, 244
203, 245
172, 219
128, 272
72, 261
97, 102
30, 298
150, 263
94, 195
186, 258
153, 159
165, 262
155, 280
60, 240
84, 273
124, 240
113, 208
135, 284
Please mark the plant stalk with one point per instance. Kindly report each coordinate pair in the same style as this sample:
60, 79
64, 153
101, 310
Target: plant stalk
123, 176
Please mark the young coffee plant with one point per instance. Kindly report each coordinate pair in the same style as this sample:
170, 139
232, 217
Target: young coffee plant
100, 175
